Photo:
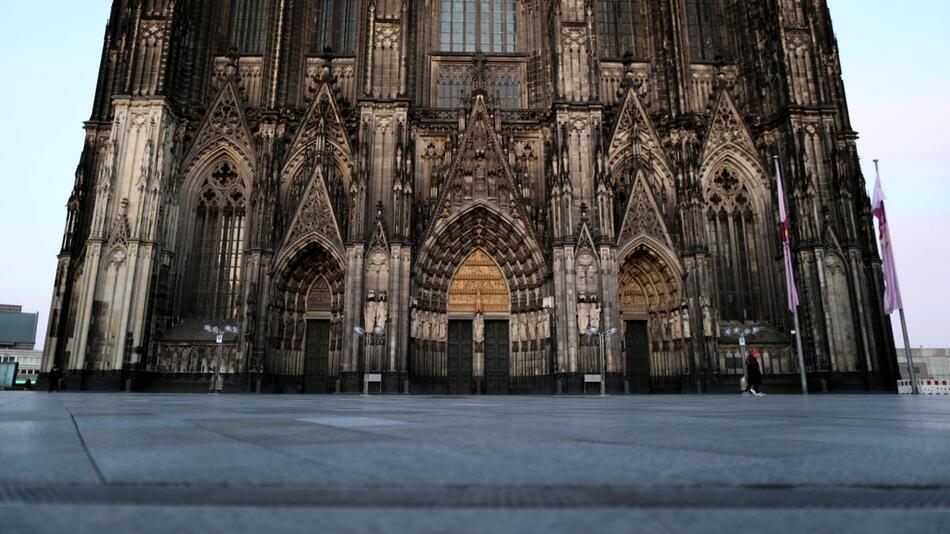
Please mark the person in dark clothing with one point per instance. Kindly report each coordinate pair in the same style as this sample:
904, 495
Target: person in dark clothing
754, 374
54, 379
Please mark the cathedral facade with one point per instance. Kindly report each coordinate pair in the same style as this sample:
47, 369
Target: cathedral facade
466, 196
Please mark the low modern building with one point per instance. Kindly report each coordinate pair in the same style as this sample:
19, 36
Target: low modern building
928, 363
17, 339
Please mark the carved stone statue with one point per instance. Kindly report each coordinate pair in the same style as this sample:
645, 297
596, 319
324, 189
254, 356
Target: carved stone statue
595, 316
369, 311
414, 324
583, 316
478, 331
707, 320
428, 329
382, 311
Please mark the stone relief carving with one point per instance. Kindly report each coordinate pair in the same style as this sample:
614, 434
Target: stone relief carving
642, 217
478, 286
315, 213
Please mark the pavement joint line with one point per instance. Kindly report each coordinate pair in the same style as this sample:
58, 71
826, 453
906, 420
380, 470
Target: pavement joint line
82, 441
483, 497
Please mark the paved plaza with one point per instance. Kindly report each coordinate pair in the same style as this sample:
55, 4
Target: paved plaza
73, 462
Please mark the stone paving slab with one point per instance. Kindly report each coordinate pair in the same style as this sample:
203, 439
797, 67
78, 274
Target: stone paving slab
545, 464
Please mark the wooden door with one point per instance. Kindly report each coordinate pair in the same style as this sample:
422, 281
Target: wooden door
637, 347
460, 358
316, 362
497, 357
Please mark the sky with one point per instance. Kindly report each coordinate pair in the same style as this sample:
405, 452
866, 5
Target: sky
897, 73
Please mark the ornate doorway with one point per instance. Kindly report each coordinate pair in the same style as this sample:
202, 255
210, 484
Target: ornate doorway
480, 266
303, 326
655, 326
316, 361
478, 336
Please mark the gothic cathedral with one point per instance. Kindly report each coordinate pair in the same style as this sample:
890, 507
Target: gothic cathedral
466, 196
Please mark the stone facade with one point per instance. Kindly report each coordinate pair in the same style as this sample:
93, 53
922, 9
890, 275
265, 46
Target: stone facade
455, 193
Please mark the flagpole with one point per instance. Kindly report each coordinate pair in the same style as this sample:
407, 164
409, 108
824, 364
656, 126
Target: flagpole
794, 309
801, 356
910, 358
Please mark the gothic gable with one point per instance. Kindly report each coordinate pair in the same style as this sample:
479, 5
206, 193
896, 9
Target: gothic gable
727, 129
379, 241
314, 216
584, 241
322, 124
634, 123
480, 173
120, 230
223, 127
643, 218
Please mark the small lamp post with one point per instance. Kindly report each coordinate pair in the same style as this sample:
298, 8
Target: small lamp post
591, 332
219, 333
361, 364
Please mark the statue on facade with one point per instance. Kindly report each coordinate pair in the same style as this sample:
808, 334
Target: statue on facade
478, 331
382, 312
595, 316
583, 313
369, 311
532, 321
707, 318
426, 326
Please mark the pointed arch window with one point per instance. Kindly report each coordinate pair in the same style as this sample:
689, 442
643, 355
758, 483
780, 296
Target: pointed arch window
730, 229
246, 27
218, 245
705, 30
473, 25
617, 27
334, 27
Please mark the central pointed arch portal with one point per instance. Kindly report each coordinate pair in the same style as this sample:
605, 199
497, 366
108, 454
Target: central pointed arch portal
478, 303
478, 314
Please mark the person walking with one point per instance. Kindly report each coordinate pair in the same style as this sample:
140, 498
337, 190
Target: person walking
754, 375
54, 378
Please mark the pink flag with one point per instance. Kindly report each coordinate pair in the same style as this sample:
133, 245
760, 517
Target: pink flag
783, 227
892, 290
